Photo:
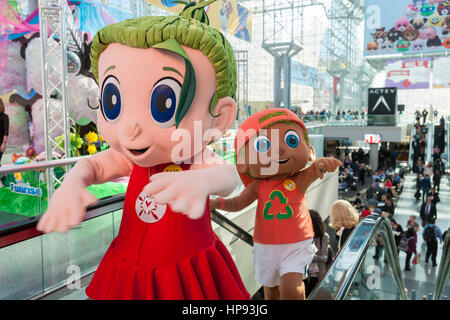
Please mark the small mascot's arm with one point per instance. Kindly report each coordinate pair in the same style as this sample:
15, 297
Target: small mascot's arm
315, 171
240, 202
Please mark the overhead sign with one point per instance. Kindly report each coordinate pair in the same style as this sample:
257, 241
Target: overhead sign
408, 73
406, 27
372, 138
382, 107
382, 101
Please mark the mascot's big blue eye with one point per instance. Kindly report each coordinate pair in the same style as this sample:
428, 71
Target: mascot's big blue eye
163, 102
111, 99
292, 139
261, 144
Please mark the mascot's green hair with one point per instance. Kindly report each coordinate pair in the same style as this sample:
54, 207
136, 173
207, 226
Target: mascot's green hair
191, 28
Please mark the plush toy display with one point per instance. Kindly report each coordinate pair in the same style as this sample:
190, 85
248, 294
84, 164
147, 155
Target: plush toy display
164, 82
272, 153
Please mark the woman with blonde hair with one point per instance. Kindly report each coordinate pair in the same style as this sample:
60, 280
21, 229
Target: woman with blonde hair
344, 218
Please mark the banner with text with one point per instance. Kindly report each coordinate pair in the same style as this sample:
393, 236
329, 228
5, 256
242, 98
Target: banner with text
226, 15
406, 26
408, 73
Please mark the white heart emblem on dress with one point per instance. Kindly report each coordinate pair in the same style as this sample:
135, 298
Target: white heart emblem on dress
148, 210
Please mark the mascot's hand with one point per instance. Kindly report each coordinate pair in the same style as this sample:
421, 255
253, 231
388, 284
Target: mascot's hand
67, 209
186, 192
323, 165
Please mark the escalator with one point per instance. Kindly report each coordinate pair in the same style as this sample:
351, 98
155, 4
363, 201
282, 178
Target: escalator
354, 275
429, 143
444, 269
445, 158
411, 149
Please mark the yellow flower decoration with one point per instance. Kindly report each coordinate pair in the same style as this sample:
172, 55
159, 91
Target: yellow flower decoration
101, 139
91, 137
92, 149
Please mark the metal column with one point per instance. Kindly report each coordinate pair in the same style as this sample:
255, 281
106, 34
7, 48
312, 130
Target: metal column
56, 21
242, 84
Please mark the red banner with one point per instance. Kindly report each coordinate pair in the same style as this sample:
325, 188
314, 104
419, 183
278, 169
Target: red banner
415, 64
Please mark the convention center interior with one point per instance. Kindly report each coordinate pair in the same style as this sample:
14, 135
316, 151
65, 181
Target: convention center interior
224, 150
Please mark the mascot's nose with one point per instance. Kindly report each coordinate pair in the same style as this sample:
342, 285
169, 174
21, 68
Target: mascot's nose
282, 152
132, 130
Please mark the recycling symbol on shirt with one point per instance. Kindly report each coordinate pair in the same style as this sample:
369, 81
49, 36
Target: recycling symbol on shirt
280, 215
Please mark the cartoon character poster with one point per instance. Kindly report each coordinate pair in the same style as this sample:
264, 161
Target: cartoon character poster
441, 74
226, 15
406, 26
304, 75
408, 73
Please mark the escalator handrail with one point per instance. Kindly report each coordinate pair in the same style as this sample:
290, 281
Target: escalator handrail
378, 226
444, 270
26, 229
411, 150
446, 137
41, 165
430, 142
231, 227
9, 235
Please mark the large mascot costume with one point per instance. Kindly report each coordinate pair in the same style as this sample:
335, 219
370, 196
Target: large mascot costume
164, 82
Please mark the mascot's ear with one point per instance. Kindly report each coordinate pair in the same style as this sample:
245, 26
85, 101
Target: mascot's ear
226, 111
312, 153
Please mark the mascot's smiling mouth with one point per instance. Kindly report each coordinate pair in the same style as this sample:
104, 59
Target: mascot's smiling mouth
283, 161
138, 152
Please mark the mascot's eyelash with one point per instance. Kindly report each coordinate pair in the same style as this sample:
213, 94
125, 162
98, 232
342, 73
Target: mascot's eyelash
96, 107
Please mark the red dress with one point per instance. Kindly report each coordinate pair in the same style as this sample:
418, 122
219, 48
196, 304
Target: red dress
161, 254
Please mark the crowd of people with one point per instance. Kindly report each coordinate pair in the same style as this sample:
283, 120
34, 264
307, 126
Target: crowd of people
324, 115
386, 185
380, 197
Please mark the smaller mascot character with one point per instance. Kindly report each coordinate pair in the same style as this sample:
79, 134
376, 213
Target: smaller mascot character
272, 154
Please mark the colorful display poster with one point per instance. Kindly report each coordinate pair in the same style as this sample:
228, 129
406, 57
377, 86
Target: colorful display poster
441, 74
406, 26
408, 73
226, 15
304, 75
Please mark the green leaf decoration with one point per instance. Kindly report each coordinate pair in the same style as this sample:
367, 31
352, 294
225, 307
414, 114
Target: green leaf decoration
83, 121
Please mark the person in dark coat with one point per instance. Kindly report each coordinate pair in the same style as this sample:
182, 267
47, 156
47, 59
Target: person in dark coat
424, 114
397, 230
436, 180
432, 243
411, 236
428, 211
425, 185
